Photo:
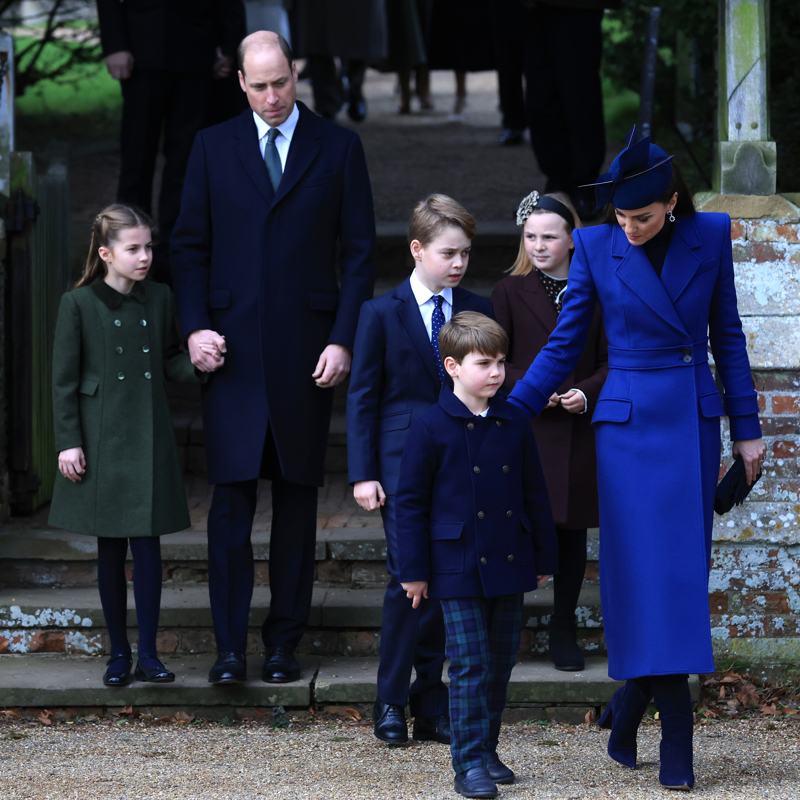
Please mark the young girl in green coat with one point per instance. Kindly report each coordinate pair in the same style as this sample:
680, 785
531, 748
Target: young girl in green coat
115, 346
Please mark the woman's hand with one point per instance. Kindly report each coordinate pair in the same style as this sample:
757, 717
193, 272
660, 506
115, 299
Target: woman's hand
573, 401
751, 451
71, 463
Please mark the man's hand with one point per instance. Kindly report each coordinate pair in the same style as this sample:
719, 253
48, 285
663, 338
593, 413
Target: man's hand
71, 463
222, 65
333, 366
415, 591
120, 65
555, 399
573, 401
369, 494
201, 343
752, 453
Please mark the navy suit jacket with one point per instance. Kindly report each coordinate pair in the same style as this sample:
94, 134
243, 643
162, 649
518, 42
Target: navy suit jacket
259, 267
472, 505
393, 380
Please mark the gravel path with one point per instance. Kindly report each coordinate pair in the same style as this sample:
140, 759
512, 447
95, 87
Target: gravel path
337, 760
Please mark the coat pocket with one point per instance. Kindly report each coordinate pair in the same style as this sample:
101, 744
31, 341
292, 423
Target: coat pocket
711, 405
219, 298
447, 552
324, 301
88, 388
394, 422
611, 409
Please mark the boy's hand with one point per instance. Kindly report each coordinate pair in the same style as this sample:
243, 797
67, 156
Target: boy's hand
540, 579
555, 399
415, 591
573, 401
71, 463
369, 494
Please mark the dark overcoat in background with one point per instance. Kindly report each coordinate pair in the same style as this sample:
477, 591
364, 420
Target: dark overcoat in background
566, 441
111, 358
259, 267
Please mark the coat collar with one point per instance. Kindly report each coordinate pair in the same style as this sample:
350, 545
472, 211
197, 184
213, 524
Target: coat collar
498, 407
535, 297
114, 299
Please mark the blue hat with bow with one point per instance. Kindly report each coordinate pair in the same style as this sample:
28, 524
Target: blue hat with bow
639, 175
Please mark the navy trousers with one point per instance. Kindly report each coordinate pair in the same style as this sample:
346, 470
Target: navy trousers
483, 635
291, 558
409, 638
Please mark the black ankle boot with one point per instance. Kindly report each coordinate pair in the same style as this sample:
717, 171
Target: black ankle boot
564, 651
674, 703
622, 716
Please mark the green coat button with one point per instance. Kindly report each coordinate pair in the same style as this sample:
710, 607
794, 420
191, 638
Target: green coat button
148, 375
143, 322
117, 323
119, 350
121, 376
145, 349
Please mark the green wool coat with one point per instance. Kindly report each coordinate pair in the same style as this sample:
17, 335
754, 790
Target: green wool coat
112, 356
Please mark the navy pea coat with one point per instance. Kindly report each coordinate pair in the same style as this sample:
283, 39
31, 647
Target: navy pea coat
656, 428
394, 379
259, 267
473, 516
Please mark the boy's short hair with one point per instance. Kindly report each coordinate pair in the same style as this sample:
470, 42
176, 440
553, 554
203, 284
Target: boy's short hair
435, 213
471, 332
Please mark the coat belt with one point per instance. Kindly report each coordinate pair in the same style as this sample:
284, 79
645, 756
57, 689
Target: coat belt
659, 358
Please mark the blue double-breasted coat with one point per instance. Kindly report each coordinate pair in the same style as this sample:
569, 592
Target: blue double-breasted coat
657, 429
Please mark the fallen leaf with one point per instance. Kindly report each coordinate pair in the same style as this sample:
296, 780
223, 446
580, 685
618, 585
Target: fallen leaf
9, 712
343, 711
260, 713
769, 709
45, 717
182, 717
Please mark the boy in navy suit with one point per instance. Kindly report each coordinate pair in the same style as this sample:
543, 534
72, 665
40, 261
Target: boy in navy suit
396, 376
475, 528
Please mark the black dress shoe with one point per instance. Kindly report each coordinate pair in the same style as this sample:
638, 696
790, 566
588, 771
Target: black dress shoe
564, 651
512, 136
151, 670
432, 729
497, 770
119, 671
475, 782
357, 107
230, 667
281, 666
390, 723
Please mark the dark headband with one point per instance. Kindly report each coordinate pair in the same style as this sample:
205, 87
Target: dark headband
534, 201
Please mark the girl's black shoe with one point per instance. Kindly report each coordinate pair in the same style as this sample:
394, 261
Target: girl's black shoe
119, 671
151, 670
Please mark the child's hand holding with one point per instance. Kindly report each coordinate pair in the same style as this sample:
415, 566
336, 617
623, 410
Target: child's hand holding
369, 494
555, 399
71, 463
573, 401
415, 591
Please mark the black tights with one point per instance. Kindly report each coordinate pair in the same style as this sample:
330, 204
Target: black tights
111, 582
571, 570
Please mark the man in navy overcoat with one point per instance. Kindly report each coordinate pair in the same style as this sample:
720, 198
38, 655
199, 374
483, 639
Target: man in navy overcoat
269, 196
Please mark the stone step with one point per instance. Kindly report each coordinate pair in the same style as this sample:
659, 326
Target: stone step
342, 621
59, 682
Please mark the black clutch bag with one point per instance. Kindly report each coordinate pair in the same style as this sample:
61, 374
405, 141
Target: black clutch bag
733, 488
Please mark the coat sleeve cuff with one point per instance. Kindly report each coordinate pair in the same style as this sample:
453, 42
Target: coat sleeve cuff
528, 398
741, 405
745, 427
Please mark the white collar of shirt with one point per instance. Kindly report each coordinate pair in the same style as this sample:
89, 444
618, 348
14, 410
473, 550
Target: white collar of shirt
483, 413
283, 141
423, 294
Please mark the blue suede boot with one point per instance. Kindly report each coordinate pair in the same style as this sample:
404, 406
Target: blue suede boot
674, 703
622, 716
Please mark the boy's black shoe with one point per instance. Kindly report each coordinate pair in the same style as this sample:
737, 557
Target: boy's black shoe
390, 723
497, 770
432, 729
119, 671
281, 666
475, 782
230, 667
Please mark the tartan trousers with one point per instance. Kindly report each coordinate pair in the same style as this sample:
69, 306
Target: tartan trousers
483, 635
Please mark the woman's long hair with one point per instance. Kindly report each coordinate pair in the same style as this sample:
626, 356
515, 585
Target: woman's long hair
105, 231
523, 264
684, 206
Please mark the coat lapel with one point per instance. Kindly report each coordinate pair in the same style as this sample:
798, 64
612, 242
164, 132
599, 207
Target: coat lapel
636, 272
302, 151
535, 297
408, 311
249, 153
683, 258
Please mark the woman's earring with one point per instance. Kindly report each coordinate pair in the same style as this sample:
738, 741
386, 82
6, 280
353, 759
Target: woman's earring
671, 216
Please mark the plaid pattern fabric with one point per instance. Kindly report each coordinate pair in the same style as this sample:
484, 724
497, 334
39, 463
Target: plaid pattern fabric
483, 635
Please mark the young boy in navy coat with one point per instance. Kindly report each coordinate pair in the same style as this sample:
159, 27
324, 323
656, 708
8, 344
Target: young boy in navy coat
396, 376
475, 529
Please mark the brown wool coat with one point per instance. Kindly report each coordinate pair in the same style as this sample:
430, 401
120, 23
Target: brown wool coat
111, 358
565, 441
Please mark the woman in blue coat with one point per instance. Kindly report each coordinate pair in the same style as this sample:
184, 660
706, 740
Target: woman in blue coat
663, 276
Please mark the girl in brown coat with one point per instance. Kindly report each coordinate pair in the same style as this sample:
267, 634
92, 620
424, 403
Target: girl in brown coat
527, 304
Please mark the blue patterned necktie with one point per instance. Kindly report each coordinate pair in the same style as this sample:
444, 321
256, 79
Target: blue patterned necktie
437, 320
273, 160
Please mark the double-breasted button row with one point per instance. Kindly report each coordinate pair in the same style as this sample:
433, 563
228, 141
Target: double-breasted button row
120, 351
477, 469
142, 322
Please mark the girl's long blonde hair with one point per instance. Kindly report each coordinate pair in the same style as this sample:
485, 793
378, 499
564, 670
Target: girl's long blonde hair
105, 231
523, 265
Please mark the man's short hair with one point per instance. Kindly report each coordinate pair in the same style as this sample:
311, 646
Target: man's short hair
241, 51
436, 213
471, 332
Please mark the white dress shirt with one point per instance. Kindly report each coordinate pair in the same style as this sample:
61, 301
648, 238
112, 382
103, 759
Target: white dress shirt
283, 139
424, 297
